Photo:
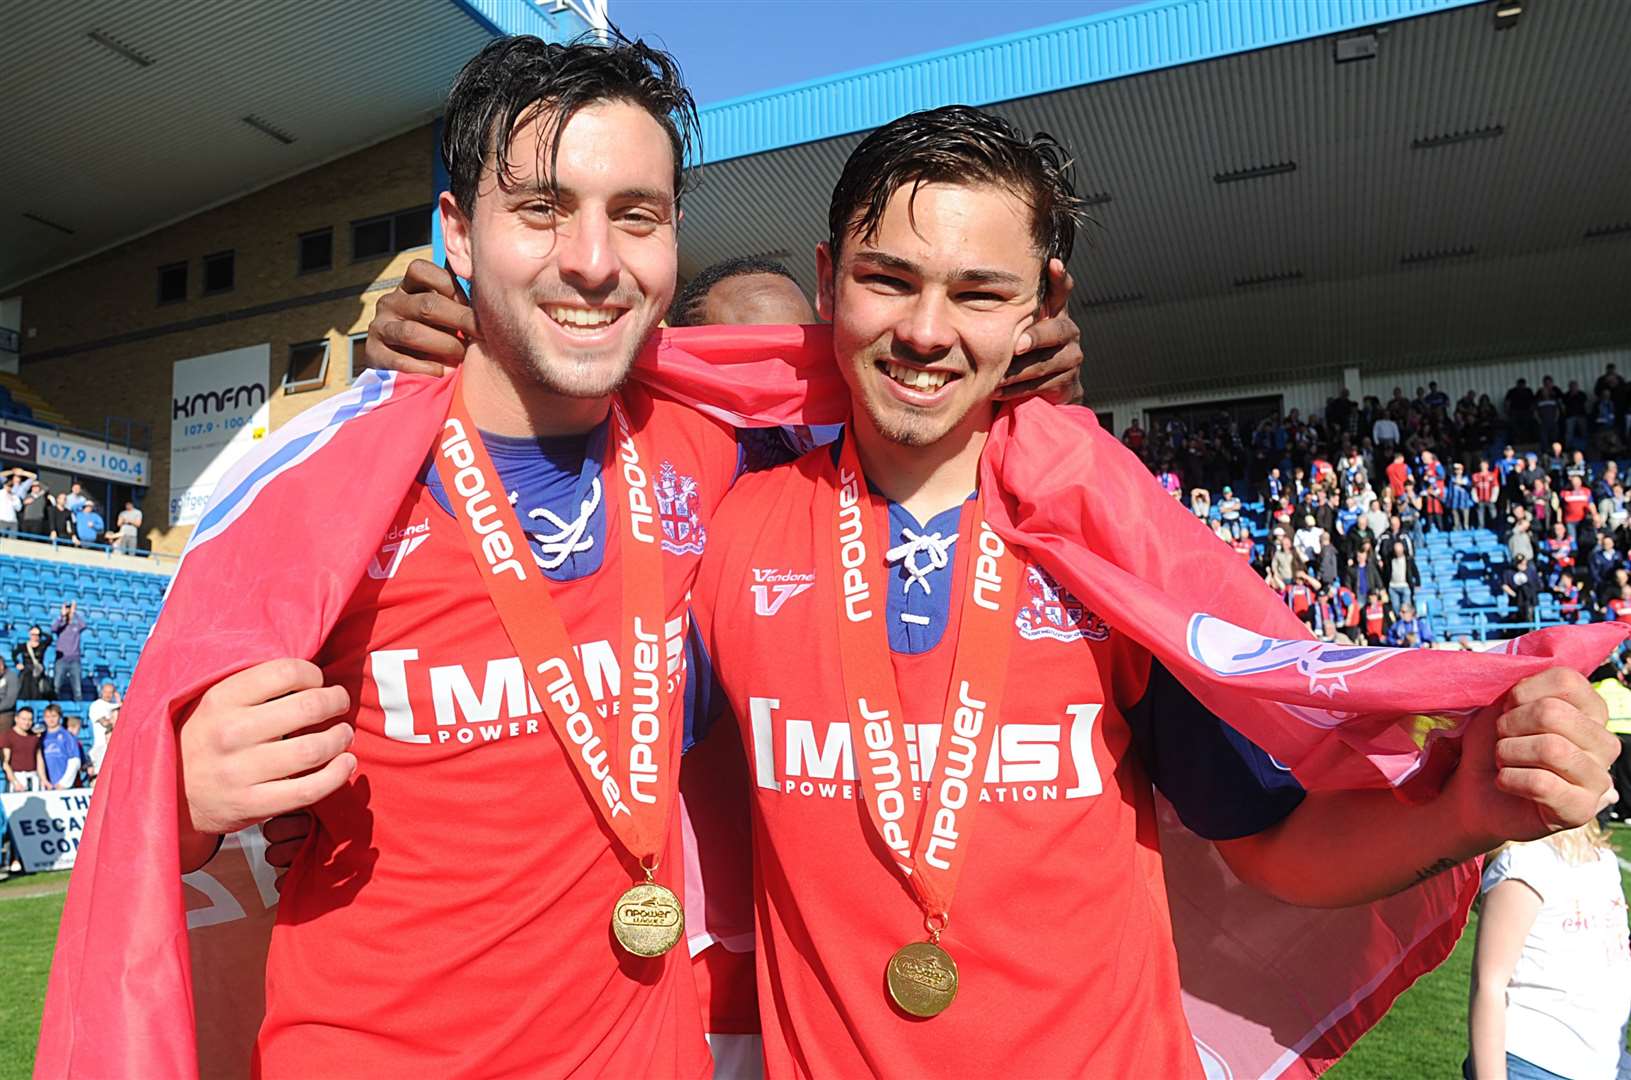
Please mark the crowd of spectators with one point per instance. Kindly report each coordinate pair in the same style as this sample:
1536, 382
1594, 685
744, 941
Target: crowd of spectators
1348, 496
28, 507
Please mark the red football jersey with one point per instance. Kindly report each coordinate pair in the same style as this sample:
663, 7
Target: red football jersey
1575, 503
451, 916
1060, 924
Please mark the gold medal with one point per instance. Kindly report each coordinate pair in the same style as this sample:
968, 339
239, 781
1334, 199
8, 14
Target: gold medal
648, 920
922, 979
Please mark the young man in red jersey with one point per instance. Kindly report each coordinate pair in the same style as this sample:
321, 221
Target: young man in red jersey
938, 670
475, 659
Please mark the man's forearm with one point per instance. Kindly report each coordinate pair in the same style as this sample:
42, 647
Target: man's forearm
1341, 848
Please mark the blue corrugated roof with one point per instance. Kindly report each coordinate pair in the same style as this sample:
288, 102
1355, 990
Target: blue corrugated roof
1109, 45
524, 17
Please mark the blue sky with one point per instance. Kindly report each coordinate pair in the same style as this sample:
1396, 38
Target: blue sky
732, 47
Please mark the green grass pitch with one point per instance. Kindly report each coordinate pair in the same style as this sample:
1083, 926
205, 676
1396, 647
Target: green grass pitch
1423, 1035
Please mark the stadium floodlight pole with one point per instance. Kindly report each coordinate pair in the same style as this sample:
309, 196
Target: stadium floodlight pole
593, 12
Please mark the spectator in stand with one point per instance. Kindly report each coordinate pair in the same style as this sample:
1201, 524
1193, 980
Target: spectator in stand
1435, 399
104, 713
1384, 433
1459, 497
59, 523
1549, 411
1409, 508
69, 627
11, 688
1133, 436
1551, 976
1307, 540
1374, 620
1329, 570
1619, 608
76, 498
1604, 435
1520, 542
11, 504
1200, 504
1376, 519
1282, 562
1609, 590
1432, 491
64, 757
91, 526
35, 497
29, 656
1520, 411
1521, 587
1361, 577
1543, 504
1410, 631
1575, 403
1229, 512
123, 539
20, 753
1604, 561
1398, 475
1169, 479
1567, 592
1558, 552
1604, 486
1575, 500
1401, 577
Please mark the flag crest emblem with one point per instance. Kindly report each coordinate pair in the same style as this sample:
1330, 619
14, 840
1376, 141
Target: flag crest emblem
1048, 610
683, 532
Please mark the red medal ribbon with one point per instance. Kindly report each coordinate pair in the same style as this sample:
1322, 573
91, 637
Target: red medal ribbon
627, 769
930, 839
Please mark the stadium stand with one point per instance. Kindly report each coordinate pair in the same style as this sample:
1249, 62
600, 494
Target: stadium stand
119, 605
1462, 571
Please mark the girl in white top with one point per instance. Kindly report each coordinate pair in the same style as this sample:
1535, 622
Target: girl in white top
1551, 979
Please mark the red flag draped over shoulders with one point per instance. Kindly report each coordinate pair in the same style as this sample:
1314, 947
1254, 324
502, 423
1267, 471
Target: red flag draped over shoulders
292, 528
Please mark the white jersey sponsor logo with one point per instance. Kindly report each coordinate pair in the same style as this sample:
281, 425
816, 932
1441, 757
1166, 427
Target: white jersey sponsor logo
1027, 762
486, 701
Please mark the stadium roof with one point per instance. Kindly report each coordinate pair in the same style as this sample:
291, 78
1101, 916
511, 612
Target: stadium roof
1283, 187
121, 118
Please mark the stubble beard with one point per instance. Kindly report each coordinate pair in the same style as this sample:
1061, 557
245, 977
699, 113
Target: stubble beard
590, 375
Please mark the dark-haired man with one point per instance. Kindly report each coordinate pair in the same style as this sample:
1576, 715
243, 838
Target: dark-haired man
1042, 917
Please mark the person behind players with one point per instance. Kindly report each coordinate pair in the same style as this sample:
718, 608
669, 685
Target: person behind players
940, 227
1551, 974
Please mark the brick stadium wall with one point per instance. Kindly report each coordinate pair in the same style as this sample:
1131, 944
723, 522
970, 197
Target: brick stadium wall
97, 342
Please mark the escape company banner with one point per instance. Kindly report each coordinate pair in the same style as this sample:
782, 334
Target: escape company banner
46, 826
218, 409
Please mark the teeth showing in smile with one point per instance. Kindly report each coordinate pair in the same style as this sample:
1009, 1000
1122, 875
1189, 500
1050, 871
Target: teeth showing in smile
916, 378
577, 318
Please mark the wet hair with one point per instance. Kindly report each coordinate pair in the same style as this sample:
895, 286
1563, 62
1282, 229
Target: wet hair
687, 308
516, 77
956, 144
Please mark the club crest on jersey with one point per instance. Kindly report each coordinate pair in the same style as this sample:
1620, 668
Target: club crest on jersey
1048, 610
399, 544
1231, 650
683, 533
